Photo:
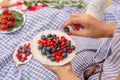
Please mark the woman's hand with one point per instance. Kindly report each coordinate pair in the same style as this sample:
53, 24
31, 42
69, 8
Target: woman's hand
63, 72
90, 27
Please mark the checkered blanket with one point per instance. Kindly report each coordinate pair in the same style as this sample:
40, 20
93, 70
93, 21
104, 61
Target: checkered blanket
46, 18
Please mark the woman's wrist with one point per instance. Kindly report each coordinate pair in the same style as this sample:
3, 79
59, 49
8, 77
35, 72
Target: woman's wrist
108, 29
66, 74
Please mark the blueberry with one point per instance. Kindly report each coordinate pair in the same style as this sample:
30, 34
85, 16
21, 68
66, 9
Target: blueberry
20, 47
28, 54
49, 35
50, 38
43, 51
47, 52
53, 50
48, 48
49, 55
20, 55
40, 47
52, 58
68, 43
59, 45
65, 50
27, 46
72, 47
66, 29
54, 35
64, 54
58, 48
23, 60
43, 37
57, 41
28, 51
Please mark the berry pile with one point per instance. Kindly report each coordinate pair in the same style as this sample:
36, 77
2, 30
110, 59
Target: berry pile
23, 52
6, 20
55, 48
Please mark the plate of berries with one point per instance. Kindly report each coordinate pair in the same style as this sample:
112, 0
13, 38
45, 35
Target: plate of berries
53, 48
23, 53
11, 20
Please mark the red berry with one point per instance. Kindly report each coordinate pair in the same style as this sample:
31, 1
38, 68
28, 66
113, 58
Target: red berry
25, 58
58, 60
53, 54
11, 18
61, 58
10, 24
4, 22
69, 51
9, 13
4, 12
3, 27
4, 17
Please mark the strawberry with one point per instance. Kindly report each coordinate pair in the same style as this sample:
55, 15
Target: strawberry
9, 13
4, 12
10, 24
3, 27
4, 22
4, 17
11, 18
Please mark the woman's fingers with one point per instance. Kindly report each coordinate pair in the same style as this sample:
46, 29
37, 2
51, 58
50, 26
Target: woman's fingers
78, 33
67, 23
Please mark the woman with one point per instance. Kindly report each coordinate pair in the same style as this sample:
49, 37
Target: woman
106, 58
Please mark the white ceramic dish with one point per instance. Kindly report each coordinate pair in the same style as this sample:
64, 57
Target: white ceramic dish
15, 29
43, 59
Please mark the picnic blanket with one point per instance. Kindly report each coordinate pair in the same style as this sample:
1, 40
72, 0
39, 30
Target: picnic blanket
50, 19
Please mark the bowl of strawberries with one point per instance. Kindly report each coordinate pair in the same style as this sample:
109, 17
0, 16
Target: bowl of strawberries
11, 20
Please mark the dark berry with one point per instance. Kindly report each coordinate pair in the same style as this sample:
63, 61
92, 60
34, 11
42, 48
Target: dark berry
53, 50
50, 38
43, 51
28, 54
49, 55
54, 35
49, 35
48, 48
64, 54
68, 43
20, 50
20, 55
47, 52
43, 37
23, 60
65, 50
52, 58
40, 47
66, 29
28, 51
72, 47
20, 47
57, 41
58, 48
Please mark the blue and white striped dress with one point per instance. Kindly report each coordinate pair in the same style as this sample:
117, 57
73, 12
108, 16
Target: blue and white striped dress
89, 50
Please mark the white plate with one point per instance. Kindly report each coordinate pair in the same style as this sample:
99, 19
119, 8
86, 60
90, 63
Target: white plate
15, 29
43, 59
14, 55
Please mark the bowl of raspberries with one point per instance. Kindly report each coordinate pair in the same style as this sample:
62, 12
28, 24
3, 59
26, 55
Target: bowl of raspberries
53, 48
11, 20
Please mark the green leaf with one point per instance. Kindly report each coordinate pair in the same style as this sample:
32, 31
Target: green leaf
36, 3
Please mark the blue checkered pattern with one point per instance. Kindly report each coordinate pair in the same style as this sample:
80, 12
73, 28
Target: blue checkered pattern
50, 19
